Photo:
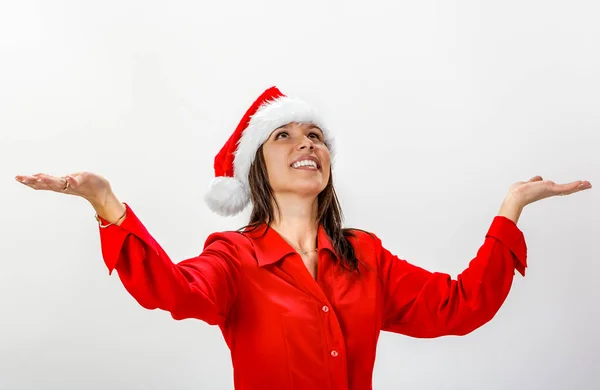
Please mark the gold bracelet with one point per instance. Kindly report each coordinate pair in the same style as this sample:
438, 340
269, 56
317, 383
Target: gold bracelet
111, 223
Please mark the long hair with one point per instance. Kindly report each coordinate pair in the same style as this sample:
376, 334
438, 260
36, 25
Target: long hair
329, 211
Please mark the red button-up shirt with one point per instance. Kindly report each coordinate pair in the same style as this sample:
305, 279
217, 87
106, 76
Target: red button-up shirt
286, 330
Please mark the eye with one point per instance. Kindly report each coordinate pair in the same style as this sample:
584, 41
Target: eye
316, 135
279, 134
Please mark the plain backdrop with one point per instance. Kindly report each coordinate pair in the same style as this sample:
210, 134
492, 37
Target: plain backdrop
438, 107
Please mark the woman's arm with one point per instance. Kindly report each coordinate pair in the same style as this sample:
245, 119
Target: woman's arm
203, 287
427, 304
420, 303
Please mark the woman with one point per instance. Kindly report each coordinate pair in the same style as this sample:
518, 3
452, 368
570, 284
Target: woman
301, 301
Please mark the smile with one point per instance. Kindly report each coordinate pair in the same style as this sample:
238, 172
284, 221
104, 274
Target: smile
305, 164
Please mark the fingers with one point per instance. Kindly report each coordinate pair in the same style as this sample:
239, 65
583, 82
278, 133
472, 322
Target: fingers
571, 188
28, 180
564, 189
583, 185
42, 181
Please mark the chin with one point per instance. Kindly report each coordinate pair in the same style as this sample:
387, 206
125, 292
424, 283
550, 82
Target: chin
310, 190
307, 189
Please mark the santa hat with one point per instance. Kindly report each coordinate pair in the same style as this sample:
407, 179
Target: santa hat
229, 191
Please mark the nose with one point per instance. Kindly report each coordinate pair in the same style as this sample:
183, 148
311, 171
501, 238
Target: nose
306, 143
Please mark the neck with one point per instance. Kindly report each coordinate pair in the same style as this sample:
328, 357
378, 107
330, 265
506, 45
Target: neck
296, 221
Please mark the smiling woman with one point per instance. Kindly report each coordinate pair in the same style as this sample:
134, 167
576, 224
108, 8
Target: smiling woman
301, 300
297, 161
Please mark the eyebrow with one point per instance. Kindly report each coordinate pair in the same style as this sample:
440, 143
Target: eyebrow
315, 127
311, 126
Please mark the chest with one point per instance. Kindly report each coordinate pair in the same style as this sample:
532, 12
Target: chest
311, 262
300, 289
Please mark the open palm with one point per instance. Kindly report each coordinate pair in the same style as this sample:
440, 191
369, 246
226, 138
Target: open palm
537, 188
88, 185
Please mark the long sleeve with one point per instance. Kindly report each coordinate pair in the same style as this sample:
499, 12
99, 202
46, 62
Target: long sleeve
425, 304
203, 287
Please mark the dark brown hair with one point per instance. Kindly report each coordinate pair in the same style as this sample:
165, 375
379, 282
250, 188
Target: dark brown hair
329, 211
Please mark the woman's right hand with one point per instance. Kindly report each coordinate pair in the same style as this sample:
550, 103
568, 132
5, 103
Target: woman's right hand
90, 186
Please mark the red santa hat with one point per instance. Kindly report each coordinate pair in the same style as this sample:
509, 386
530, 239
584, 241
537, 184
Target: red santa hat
229, 192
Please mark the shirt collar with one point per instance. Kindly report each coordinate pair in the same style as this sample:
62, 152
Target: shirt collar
271, 247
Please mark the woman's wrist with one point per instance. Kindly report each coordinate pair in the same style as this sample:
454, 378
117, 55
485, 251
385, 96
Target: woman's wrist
511, 208
109, 208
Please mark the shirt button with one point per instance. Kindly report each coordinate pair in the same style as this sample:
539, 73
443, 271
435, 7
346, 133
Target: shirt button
334, 353
325, 309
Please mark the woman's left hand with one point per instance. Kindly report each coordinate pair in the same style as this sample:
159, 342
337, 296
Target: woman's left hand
526, 192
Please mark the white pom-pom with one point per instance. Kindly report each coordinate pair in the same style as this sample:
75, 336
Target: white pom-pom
226, 196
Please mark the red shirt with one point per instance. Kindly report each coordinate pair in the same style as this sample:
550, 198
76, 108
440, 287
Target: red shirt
286, 330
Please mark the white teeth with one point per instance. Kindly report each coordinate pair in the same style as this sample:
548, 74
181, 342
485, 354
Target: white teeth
304, 163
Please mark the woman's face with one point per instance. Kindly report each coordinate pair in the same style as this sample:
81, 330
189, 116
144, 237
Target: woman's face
291, 153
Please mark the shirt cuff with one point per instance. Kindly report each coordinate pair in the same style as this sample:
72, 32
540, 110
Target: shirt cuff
113, 237
506, 231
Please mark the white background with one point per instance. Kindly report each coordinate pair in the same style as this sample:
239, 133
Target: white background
438, 106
